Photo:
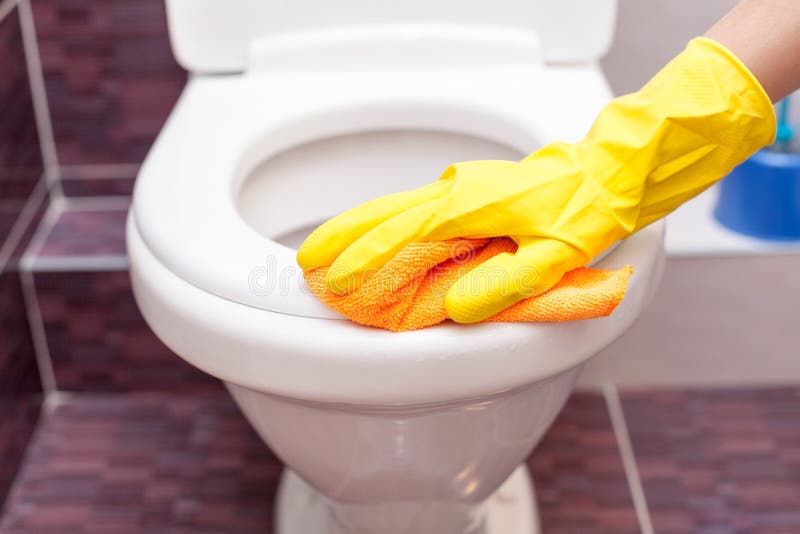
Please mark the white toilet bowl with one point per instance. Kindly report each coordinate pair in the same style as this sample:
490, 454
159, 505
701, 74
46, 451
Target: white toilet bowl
396, 433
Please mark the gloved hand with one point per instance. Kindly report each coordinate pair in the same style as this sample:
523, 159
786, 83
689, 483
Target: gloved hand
647, 153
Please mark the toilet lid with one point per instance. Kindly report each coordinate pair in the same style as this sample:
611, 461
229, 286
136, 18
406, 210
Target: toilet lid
218, 35
185, 202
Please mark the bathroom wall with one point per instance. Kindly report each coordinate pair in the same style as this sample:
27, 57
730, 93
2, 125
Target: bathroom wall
22, 202
650, 32
111, 81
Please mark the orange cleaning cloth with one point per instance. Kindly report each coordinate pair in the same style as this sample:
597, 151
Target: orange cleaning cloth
408, 292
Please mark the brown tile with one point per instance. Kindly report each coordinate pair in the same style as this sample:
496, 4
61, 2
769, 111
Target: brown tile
110, 76
98, 180
718, 461
20, 384
39, 210
145, 464
92, 187
86, 233
169, 463
97, 338
99, 341
18, 417
20, 157
578, 473
20, 388
20, 170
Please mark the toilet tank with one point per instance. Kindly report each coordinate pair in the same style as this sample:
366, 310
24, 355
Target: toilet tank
215, 35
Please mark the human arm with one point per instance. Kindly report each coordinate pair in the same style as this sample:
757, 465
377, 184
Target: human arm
765, 36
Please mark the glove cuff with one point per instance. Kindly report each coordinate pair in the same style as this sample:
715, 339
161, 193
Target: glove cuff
754, 92
694, 121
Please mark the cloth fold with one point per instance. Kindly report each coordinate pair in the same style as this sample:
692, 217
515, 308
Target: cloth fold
408, 292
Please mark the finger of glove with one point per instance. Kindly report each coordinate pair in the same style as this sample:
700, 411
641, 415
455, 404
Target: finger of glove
379, 245
324, 244
536, 266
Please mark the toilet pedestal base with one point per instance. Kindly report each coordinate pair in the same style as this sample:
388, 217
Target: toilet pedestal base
510, 510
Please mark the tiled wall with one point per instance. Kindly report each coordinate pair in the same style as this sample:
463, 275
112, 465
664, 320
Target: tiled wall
111, 80
93, 335
22, 197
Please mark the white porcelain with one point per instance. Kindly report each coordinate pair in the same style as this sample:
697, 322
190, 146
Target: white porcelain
217, 35
423, 425
396, 433
301, 508
223, 127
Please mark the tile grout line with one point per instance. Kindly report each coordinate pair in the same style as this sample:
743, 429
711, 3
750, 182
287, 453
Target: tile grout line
82, 264
56, 398
36, 323
100, 171
97, 203
41, 347
6, 7
54, 211
24, 219
41, 106
625, 446
36, 263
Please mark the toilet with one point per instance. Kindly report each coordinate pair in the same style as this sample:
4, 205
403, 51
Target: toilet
296, 111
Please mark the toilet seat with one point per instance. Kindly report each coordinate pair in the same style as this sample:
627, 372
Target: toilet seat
341, 362
223, 126
193, 254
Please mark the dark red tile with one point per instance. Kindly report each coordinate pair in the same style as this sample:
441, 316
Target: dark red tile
98, 340
170, 463
20, 171
578, 473
20, 387
110, 76
39, 208
18, 418
718, 461
92, 187
98, 180
81, 232
20, 156
145, 464
20, 384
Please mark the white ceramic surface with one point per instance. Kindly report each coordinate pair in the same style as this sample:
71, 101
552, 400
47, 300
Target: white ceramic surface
401, 433
218, 35
214, 144
421, 469
510, 510
337, 361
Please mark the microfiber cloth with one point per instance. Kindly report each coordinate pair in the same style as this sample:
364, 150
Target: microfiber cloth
407, 293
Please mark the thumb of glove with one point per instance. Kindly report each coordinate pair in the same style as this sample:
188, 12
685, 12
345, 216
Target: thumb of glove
536, 266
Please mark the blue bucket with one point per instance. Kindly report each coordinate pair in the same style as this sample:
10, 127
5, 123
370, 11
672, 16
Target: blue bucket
761, 197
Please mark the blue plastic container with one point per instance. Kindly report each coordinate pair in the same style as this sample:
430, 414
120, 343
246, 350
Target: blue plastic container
761, 197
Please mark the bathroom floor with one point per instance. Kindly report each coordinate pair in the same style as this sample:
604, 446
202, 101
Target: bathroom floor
709, 462
154, 463
137, 441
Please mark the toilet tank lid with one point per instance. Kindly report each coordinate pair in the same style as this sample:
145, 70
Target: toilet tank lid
215, 35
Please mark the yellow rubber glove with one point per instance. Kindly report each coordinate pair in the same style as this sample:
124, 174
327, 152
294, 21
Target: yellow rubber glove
647, 153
